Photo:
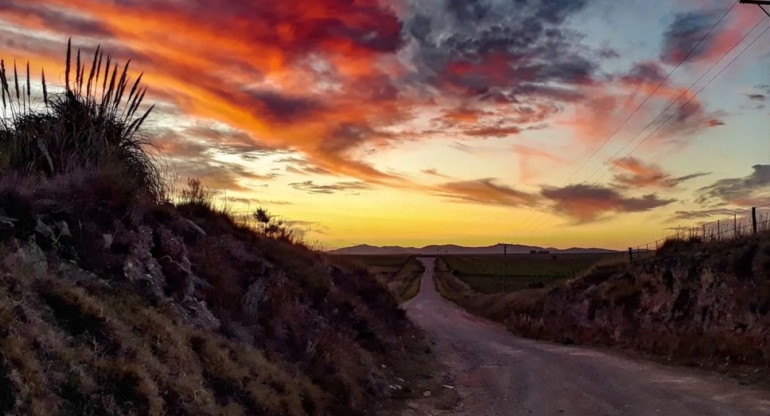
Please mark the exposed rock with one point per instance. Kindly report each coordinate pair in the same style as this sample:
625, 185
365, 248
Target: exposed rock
107, 240
140, 267
196, 313
44, 230
7, 222
73, 272
27, 257
173, 259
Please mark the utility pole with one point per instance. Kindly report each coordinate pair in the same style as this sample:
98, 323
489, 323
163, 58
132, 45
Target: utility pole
754, 219
759, 4
505, 264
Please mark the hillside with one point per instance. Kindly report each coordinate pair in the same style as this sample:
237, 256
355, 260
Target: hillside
114, 300
704, 304
450, 249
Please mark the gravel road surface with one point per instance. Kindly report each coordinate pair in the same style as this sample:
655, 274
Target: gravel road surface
497, 373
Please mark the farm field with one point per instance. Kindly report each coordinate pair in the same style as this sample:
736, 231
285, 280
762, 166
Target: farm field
496, 273
400, 273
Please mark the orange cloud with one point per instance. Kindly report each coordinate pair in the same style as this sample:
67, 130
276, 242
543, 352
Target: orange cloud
642, 175
485, 191
248, 66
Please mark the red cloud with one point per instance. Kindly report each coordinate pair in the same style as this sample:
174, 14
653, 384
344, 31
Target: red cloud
642, 175
250, 64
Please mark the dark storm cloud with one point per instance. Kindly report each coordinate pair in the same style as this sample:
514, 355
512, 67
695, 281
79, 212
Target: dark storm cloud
684, 33
586, 203
486, 47
465, 10
750, 190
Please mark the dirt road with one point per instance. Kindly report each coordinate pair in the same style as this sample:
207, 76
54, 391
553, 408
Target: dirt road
497, 373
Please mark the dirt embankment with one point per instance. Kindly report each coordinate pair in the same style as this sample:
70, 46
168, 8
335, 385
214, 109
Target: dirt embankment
705, 305
114, 305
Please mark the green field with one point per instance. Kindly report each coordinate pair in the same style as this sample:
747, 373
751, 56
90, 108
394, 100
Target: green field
400, 273
496, 273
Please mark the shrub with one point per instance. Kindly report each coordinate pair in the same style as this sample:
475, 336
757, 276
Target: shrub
84, 127
196, 194
271, 226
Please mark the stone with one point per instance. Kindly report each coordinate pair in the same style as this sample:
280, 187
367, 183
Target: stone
44, 230
28, 258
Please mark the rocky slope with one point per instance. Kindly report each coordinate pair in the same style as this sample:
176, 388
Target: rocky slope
110, 304
701, 304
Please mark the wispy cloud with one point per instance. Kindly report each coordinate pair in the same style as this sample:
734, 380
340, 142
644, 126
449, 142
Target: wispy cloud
313, 188
434, 172
751, 190
485, 191
642, 175
586, 203
704, 214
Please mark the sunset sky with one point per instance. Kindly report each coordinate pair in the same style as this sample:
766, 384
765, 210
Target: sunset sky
415, 122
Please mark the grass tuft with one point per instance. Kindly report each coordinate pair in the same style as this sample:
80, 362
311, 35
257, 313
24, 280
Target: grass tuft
77, 129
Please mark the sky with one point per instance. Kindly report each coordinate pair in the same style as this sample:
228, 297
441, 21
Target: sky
413, 122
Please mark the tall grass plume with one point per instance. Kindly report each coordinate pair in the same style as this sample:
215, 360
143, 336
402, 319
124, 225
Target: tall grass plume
79, 128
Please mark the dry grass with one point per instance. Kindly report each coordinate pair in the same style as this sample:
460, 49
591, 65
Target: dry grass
401, 274
496, 273
87, 349
705, 304
114, 301
83, 127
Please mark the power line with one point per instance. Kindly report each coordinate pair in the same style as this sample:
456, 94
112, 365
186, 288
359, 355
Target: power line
649, 95
534, 225
691, 98
607, 163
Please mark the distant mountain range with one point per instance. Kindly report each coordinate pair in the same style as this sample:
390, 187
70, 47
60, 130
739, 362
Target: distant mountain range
365, 249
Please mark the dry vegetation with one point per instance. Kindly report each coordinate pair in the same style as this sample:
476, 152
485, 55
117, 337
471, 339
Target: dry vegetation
496, 273
702, 304
115, 301
399, 273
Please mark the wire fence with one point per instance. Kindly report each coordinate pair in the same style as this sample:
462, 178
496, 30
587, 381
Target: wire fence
742, 223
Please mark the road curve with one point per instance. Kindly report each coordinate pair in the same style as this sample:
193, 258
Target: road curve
501, 374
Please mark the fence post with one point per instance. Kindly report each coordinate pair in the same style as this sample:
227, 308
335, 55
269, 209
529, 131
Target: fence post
505, 264
718, 231
754, 219
630, 255
704, 231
